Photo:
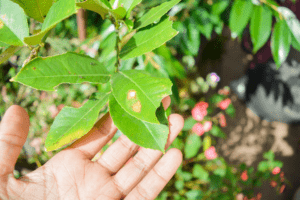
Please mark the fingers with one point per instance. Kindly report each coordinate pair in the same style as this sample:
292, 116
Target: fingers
121, 150
158, 177
13, 133
144, 160
96, 138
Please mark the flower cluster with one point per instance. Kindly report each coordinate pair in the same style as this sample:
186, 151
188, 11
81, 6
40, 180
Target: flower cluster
210, 153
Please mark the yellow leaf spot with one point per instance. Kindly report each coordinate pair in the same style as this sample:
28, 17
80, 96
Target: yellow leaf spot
137, 107
1, 24
131, 94
3, 16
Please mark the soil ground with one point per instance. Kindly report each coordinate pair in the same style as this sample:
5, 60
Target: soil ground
248, 136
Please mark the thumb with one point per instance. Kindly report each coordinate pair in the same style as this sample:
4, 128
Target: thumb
14, 129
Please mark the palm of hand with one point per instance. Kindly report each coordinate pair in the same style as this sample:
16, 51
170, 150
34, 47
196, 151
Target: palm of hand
71, 174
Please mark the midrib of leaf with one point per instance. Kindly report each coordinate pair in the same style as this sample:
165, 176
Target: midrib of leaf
166, 4
100, 100
37, 4
138, 87
138, 119
61, 76
145, 40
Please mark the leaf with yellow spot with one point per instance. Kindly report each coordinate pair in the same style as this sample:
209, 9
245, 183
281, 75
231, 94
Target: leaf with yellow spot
73, 123
133, 104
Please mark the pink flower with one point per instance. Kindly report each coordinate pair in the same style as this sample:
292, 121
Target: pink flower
200, 111
244, 176
222, 120
207, 126
210, 153
224, 104
198, 129
281, 189
273, 183
276, 170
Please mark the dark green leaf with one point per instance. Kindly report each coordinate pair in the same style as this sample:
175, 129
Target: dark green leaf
155, 13
260, 26
57, 13
13, 23
148, 39
239, 16
280, 42
46, 73
101, 7
217, 132
189, 123
192, 146
220, 171
4, 56
35, 8
143, 133
73, 123
230, 111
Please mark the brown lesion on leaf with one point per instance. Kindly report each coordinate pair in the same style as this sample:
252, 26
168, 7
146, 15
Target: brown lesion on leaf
34, 68
69, 72
137, 107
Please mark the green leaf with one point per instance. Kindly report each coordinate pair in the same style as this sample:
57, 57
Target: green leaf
219, 6
193, 194
58, 12
73, 123
200, 173
4, 56
260, 26
2, 44
119, 13
132, 6
143, 133
217, 132
220, 171
192, 146
239, 16
292, 22
263, 166
269, 155
13, 23
155, 14
148, 39
179, 184
280, 42
189, 123
139, 94
46, 73
36, 9
230, 111
101, 7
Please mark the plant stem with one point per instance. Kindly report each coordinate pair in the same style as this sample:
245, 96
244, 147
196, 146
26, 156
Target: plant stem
118, 61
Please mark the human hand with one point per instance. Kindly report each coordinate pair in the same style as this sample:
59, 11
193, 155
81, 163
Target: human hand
71, 174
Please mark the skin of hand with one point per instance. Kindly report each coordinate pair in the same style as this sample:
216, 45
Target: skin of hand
71, 174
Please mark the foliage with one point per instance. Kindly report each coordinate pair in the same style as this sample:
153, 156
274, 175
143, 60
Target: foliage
124, 51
